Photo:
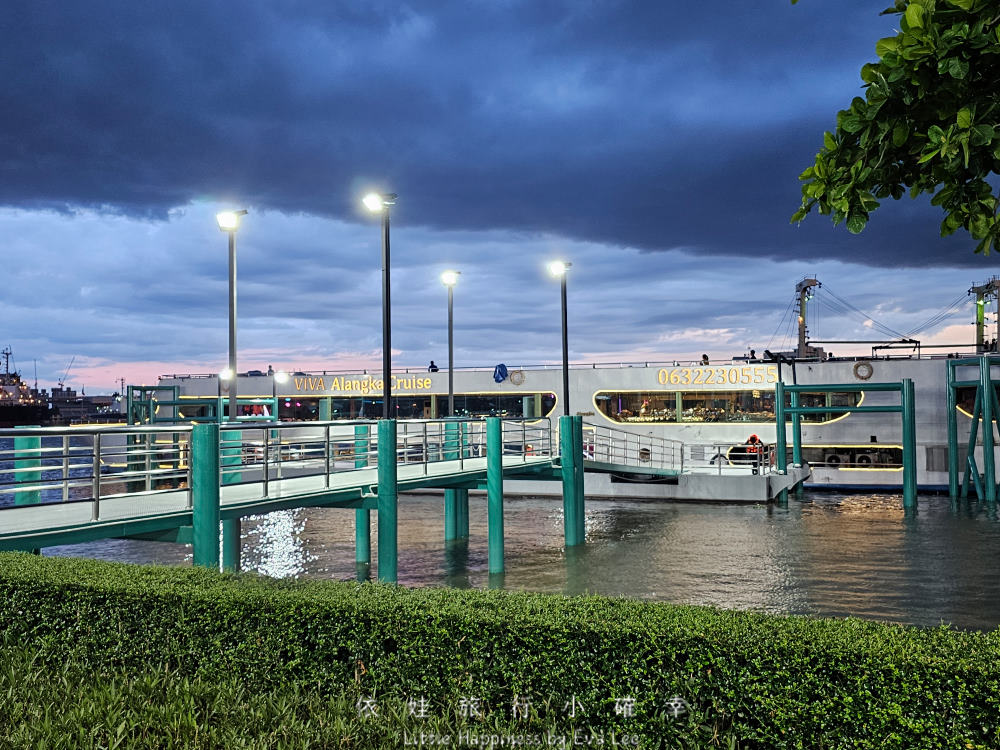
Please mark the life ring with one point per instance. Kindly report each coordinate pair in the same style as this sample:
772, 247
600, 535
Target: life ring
517, 377
863, 370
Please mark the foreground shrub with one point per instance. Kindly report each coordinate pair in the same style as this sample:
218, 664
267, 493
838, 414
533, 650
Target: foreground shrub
757, 680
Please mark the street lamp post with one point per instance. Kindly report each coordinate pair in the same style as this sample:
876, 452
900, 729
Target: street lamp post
558, 269
229, 222
380, 202
449, 279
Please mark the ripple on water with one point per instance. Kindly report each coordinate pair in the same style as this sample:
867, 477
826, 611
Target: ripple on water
831, 554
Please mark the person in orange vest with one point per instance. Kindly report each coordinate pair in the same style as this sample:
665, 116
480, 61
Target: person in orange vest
754, 448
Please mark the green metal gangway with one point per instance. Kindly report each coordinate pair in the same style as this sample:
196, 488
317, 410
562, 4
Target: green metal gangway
179, 482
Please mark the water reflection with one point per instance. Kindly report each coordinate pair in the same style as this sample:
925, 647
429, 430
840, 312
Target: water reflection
830, 554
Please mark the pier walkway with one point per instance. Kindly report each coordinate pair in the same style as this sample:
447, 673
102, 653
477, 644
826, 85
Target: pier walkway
178, 483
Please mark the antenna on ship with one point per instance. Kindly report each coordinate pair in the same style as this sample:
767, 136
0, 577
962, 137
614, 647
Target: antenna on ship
36, 373
983, 292
802, 289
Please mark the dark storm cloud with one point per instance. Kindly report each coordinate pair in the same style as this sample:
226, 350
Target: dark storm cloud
643, 124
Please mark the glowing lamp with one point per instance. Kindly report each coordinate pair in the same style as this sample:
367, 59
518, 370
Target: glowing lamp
229, 221
450, 278
558, 268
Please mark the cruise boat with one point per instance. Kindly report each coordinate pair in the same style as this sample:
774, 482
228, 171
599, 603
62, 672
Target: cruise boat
715, 405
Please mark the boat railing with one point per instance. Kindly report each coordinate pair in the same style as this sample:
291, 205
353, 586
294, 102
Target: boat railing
611, 445
728, 458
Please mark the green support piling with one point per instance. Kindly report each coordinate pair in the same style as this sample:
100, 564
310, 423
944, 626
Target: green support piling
580, 498
572, 487
451, 452
780, 438
387, 500
494, 492
989, 413
797, 429
462, 505
971, 470
909, 445
952, 434
232, 456
231, 529
28, 467
362, 516
205, 494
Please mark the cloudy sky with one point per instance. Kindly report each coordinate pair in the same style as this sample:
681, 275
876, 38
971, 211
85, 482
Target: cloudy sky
654, 145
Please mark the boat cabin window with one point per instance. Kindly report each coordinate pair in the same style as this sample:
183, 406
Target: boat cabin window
710, 406
423, 406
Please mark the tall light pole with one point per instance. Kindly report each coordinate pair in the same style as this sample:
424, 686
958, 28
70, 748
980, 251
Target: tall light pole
558, 269
449, 279
229, 222
379, 203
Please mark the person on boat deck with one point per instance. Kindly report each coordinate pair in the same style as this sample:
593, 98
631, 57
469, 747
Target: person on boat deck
432, 367
754, 448
704, 359
753, 355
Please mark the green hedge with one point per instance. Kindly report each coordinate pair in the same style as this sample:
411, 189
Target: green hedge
753, 679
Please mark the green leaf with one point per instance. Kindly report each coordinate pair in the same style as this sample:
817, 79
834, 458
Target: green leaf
915, 16
829, 142
856, 223
964, 118
935, 135
852, 124
899, 135
891, 44
963, 4
958, 68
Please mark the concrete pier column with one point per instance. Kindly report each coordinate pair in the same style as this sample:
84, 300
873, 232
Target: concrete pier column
205, 494
494, 492
572, 485
387, 501
28, 467
362, 516
231, 530
462, 507
910, 445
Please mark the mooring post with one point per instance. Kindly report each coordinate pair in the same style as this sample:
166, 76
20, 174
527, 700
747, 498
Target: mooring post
362, 516
568, 459
780, 438
451, 512
581, 509
462, 505
952, 402
28, 466
232, 455
205, 494
231, 530
494, 492
387, 499
909, 445
989, 414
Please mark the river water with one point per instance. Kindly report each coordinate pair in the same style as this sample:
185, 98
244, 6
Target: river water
829, 554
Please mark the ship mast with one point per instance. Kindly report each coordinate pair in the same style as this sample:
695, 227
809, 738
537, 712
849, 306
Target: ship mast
6, 353
983, 292
802, 289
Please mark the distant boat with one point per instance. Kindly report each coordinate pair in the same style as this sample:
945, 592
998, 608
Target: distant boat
20, 404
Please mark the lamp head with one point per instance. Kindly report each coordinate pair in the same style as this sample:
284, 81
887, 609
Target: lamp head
558, 268
229, 221
376, 202
281, 376
450, 278
226, 374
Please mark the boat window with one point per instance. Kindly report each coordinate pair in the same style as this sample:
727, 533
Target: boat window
528, 405
825, 399
687, 406
710, 406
